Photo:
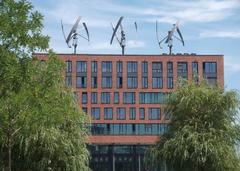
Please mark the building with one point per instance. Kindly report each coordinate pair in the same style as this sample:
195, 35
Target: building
125, 96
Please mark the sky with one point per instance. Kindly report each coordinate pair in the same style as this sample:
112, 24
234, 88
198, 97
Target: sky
207, 26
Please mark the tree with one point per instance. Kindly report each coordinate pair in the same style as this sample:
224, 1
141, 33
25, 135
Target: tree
203, 132
41, 126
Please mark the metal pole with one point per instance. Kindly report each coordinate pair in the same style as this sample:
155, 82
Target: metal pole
113, 163
139, 162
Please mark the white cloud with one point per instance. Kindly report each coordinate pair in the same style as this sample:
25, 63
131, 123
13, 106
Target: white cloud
135, 44
220, 34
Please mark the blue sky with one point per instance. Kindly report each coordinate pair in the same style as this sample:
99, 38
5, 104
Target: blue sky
208, 27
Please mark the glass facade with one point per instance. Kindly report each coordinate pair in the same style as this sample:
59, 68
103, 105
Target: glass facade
128, 129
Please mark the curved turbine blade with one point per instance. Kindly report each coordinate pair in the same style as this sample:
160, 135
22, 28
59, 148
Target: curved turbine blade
64, 34
180, 35
116, 28
135, 24
86, 29
73, 30
157, 31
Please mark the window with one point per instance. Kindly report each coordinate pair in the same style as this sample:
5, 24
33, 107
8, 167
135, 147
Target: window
170, 82
129, 98
144, 67
116, 97
152, 98
169, 75
154, 113
81, 66
95, 111
68, 80
132, 74
94, 98
210, 72
157, 67
106, 74
195, 71
81, 82
119, 66
182, 69
106, 81
121, 113
132, 82
157, 82
141, 113
106, 66
144, 82
105, 97
132, 67
132, 113
94, 67
84, 98
157, 78
119, 81
108, 113
119, 74
84, 109
94, 82
68, 66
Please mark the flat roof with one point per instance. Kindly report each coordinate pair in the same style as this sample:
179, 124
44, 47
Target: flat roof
163, 54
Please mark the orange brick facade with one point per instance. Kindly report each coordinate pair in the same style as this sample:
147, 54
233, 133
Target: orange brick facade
133, 139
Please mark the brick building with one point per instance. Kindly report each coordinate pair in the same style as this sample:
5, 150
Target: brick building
125, 96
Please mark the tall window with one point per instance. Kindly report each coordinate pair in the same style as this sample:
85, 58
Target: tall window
105, 97
141, 113
157, 75
169, 75
144, 74
81, 66
182, 69
132, 74
129, 97
108, 113
121, 113
81, 81
68, 78
154, 113
152, 97
94, 69
116, 97
95, 111
81, 74
68, 66
94, 97
106, 74
132, 113
195, 72
119, 74
84, 98
210, 72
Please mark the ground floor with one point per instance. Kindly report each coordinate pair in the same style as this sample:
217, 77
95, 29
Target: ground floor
121, 158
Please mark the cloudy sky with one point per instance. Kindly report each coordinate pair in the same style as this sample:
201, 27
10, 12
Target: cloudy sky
208, 27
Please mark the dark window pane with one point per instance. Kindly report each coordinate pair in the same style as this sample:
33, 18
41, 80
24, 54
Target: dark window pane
68, 66
105, 97
81, 82
94, 97
154, 113
116, 97
84, 98
108, 113
132, 113
94, 67
142, 113
129, 98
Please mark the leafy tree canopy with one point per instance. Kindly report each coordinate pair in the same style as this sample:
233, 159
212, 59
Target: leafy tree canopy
203, 131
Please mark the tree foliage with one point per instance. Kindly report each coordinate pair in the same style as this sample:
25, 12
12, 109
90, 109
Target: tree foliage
203, 131
41, 124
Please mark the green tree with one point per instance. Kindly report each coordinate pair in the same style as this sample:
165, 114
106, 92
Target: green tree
41, 126
203, 132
